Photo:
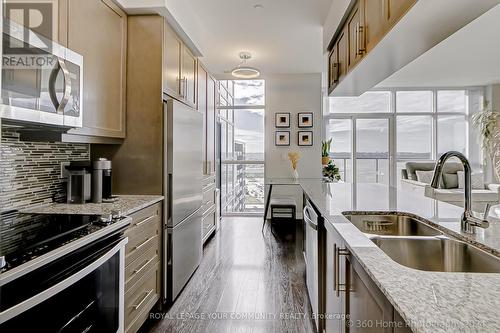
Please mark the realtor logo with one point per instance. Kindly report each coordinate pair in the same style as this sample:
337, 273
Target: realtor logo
37, 20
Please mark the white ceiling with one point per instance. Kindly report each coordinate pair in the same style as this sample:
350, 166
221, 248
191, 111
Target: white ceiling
470, 57
285, 36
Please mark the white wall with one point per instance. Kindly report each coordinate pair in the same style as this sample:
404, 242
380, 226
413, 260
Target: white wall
184, 30
293, 93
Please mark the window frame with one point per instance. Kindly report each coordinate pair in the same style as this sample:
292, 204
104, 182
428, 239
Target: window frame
228, 200
392, 116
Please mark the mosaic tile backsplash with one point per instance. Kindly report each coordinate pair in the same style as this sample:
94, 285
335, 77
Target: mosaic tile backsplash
30, 171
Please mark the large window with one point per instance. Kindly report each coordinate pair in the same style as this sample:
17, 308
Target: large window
241, 113
382, 130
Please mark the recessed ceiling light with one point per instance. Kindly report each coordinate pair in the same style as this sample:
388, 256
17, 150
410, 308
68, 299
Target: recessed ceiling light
258, 6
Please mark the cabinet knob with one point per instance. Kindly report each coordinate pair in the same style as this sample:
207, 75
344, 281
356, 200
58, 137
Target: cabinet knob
116, 214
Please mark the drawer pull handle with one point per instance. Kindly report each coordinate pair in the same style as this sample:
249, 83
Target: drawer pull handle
143, 266
144, 221
144, 243
208, 187
337, 285
143, 300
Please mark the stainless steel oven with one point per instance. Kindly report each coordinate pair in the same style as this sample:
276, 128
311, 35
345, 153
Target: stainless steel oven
41, 81
82, 291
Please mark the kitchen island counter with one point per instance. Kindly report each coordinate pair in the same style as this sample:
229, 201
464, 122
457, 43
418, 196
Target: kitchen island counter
428, 301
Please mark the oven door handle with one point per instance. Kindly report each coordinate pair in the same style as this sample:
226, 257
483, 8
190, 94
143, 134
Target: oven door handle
61, 65
57, 288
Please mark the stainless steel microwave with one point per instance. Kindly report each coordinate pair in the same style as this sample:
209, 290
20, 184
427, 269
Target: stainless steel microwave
41, 81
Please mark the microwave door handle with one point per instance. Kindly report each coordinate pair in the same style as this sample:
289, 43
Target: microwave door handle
52, 86
67, 86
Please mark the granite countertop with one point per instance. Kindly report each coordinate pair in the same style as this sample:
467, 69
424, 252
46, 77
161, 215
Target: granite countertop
126, 204
429, 301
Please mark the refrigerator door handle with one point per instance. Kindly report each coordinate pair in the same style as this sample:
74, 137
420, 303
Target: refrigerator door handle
169, 200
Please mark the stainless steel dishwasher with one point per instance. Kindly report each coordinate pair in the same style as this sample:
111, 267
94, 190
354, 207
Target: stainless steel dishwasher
312, 223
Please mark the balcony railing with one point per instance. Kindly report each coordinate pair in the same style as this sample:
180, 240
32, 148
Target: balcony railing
377, 171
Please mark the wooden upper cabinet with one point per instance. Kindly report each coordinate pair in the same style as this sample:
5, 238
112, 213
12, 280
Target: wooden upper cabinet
338, 61
333, 68
188, 81
202, 107
97, 29
58, 18
179, 69
373, 26
355, 41
362, 28
395, 9
206, 105
171, 62
342, 50
211, 111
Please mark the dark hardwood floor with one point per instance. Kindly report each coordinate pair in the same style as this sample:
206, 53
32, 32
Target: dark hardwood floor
247, 282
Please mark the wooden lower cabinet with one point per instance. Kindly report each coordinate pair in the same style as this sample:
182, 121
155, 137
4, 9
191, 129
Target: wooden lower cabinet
401, 326
369, 310
141, 298
208, 207
353, 302
335, 296
142, 266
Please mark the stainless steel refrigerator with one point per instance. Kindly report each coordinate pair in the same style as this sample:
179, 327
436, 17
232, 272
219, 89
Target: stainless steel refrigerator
184, 166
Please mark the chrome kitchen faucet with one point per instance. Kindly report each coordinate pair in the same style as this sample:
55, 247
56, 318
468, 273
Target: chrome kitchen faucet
468, 222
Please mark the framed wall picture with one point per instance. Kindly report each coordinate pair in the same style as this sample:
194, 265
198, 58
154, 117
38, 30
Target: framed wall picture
282, 120
305, 119
305, 138
282, 138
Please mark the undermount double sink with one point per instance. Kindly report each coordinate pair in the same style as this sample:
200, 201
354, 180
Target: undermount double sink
413, 243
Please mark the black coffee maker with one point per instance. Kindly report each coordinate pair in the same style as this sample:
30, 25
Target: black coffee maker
79, 182
101, 181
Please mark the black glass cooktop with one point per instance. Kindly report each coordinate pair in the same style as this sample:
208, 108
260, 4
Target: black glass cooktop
24, 237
